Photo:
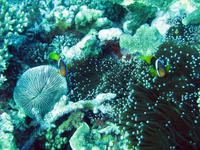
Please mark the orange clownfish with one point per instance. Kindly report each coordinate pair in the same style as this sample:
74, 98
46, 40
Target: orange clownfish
61, 64
158, 68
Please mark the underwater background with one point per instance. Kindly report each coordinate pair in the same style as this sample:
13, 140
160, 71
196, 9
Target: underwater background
99, 74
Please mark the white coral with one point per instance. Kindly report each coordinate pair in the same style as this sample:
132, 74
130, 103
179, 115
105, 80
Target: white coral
61, 108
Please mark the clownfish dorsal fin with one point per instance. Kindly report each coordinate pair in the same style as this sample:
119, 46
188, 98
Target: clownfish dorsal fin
54, 56
147, 58
153, 72
168, 67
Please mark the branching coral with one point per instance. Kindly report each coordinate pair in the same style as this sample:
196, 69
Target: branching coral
61, 109
13, 20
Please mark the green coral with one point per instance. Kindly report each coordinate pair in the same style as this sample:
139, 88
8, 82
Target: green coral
88, 46
144, 41
86, 138
52, 139
13, 20
7, 140
4, 58
139, 14
64, 18
74, 120
163, 4
192, 18
90, 17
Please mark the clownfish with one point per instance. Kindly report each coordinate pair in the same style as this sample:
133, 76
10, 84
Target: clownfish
61, 64
157, 66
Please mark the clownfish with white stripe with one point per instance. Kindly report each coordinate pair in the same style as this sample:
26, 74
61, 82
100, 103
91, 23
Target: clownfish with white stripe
61, 64
157, 66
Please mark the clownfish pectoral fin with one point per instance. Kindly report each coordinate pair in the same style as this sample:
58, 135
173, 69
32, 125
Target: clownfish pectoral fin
158, 73
153, 71
146, 58
54, 56
68, 66
168, 67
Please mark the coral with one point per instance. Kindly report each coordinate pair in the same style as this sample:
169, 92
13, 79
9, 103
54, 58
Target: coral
181, 34
86, 138
112, 11
109, 34
105, 102
77, 140
176, 9
54, 17
7, 140
86, 47
35, 53
67, 40
38, 89
102, 22
85, 16
192, 18
4, 58
74, 120
61, 108
13, 19
50, 139
163, 4
14, 22
64, 18
90, 17
55, 142
145, 41
139, 14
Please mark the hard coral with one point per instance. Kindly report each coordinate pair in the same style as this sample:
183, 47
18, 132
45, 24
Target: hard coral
38, 89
